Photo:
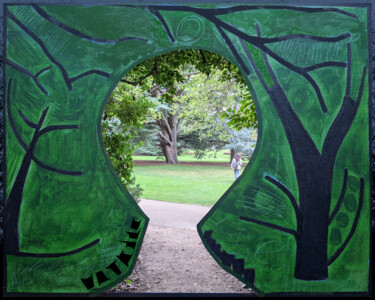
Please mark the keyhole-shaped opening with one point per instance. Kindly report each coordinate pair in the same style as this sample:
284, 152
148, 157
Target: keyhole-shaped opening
179, 129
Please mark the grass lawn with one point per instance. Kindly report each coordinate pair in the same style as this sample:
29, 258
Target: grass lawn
184, 184
189, 157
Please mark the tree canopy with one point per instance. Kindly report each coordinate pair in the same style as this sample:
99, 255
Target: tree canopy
196, 87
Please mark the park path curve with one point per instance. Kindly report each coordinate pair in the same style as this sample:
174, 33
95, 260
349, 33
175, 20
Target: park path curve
173, 258
177, 215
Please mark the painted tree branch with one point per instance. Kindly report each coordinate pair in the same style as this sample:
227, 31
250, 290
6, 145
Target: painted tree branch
157, 14
233, 50
28, 73
55, 170
284, 189
341, 198
43, 47
279, 228
56, 127
13, 203
313, 168
26, 120
227, 10
75, 32
30, 254
42, 71
11, 121
240, 8
354, 226
343, 121
98, 72
260, 42
294, 129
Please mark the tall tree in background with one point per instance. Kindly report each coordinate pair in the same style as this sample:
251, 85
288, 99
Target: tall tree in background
171, 78
195, 114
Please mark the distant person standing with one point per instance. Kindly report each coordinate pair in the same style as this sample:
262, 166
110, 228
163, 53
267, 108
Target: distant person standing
236, 165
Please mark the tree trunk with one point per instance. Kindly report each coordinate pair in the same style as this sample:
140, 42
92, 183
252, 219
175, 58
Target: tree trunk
314, 171
168, 138
170, 153
13, 205
312, 229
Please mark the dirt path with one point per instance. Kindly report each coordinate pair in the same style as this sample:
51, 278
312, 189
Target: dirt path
173, 258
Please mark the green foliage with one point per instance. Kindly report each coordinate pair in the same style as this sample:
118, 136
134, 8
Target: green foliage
204, 91
124, 113
201, 96
203, 101
167, 70
245, 116
147, 139
243, 140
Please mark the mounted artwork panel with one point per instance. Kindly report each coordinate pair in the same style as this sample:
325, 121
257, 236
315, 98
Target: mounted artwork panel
297, 221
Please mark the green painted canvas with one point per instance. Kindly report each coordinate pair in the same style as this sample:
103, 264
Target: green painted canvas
296, 221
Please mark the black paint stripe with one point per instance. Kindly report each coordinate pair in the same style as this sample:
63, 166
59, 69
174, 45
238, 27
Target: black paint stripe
98, 72
88, 282
44, 48
348, 71
42, 71
234, 51
135, 224
317, 92
341, 198
56, 127
250, 58
80, 34
354, 226
10, 118
307, 37
220, 11
49, 168
28, 73
26, 120
364, 70
27, 254
114, 268
284, 189
279, 228
157, 14
325, 64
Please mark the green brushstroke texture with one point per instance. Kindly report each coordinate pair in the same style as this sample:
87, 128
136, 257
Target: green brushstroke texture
60, 213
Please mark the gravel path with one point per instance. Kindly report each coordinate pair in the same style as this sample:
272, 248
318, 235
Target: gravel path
173, 258
176, 215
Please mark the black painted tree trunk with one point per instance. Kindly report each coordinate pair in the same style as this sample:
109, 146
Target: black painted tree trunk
312, 228
14, 201
13, 204
314, 171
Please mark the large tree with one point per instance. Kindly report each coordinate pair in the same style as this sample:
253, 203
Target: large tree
182, 81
